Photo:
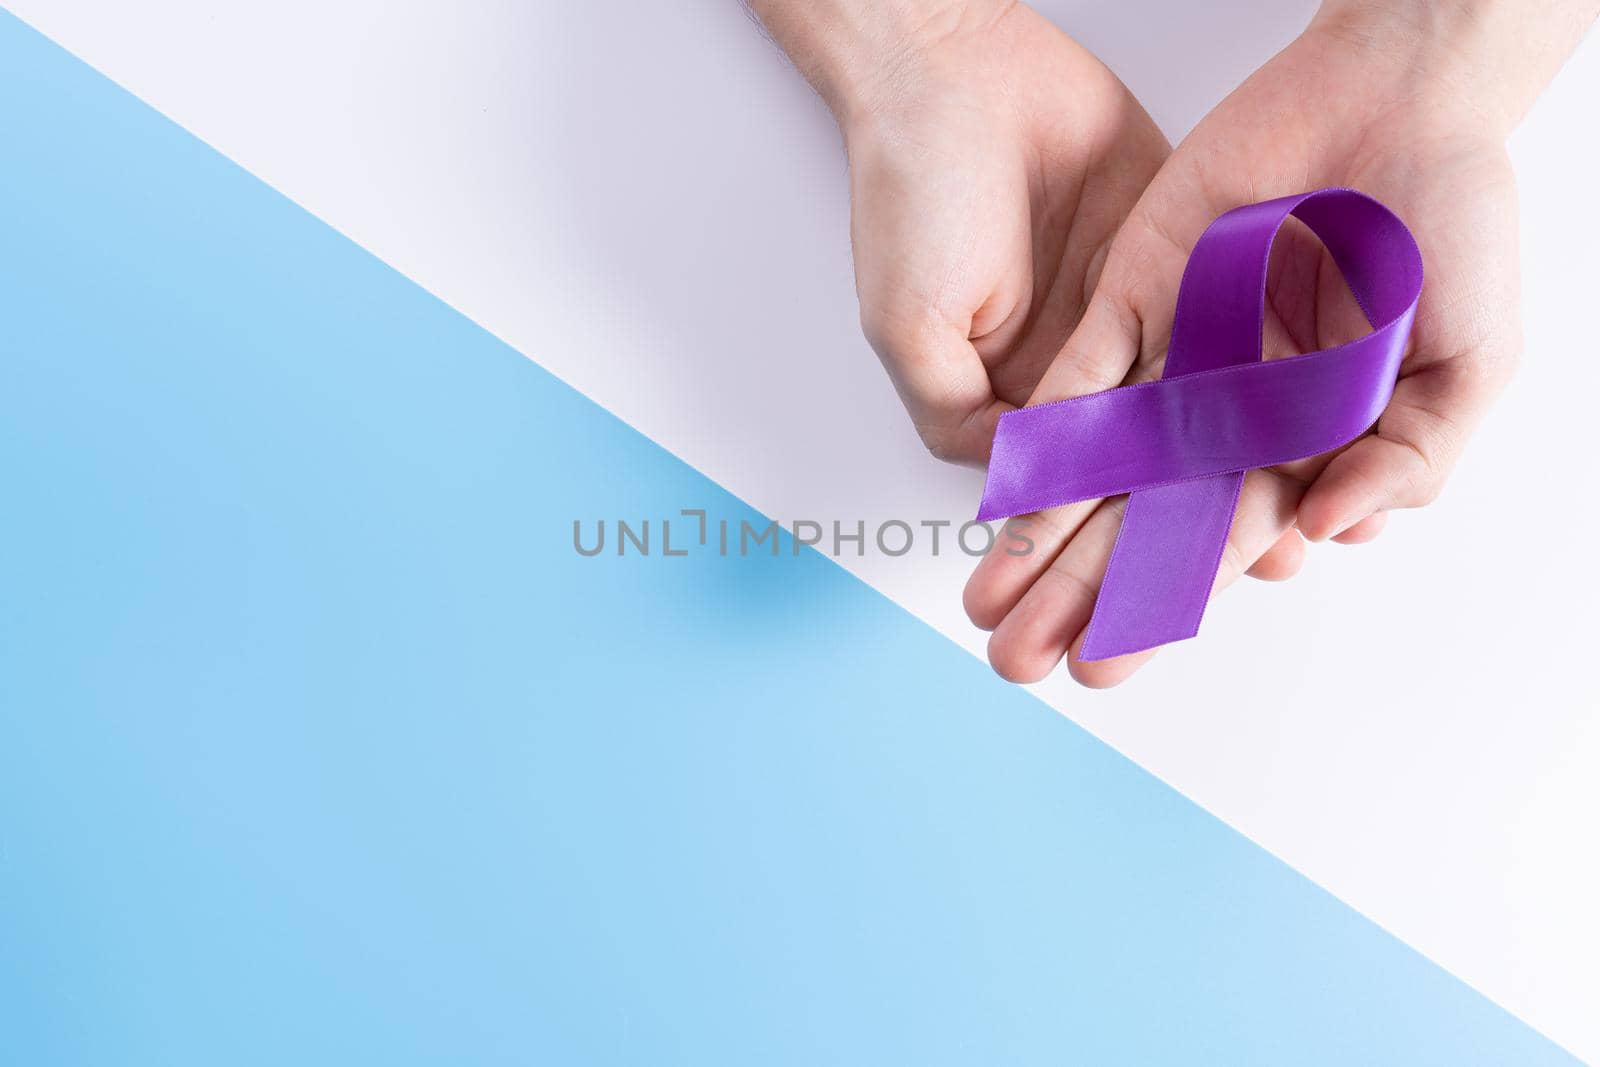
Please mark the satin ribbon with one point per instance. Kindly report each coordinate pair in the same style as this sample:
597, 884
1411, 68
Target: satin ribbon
1181, 445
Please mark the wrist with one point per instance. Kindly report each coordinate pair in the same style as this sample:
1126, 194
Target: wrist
856, 53
1485, 60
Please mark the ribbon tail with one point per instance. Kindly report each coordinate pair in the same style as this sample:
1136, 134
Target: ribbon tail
1162, 567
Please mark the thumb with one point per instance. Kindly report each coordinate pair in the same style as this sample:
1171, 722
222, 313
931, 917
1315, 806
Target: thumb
1128, 320
1098, 355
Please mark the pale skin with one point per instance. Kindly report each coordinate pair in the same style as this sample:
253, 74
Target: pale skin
1020, 229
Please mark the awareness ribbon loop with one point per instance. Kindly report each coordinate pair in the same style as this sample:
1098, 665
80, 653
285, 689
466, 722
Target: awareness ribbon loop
1181, 444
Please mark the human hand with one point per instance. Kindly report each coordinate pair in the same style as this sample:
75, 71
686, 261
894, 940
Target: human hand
992, 160
1410, 108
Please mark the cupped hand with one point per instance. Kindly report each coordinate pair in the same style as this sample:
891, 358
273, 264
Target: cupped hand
1383, 112
992, 160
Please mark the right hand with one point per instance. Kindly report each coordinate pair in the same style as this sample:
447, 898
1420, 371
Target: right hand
1418, 126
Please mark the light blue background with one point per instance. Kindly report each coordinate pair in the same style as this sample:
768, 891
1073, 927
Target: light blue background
319, 744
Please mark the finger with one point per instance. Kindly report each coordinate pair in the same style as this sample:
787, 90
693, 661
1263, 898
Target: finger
944, 386
1033, 636
1003, 575
1282, 561
1265, 514
1098, 355
1126, 326
1366, 530
1052, 615
1417, 441
960, 434
1374, 473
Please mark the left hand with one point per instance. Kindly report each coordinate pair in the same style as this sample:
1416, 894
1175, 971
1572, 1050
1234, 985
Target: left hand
1383, 109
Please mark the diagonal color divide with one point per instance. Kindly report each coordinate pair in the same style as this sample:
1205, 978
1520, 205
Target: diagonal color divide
322, 745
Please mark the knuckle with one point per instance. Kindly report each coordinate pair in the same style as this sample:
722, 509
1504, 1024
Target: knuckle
1485, 377
941, 443
1420, 497
898, 324
1424, 482
1429, 489
1505, 368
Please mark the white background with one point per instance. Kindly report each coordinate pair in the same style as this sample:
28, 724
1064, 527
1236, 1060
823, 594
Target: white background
646, 201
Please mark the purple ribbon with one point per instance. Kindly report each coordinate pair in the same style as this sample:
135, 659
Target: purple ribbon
1181, 445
